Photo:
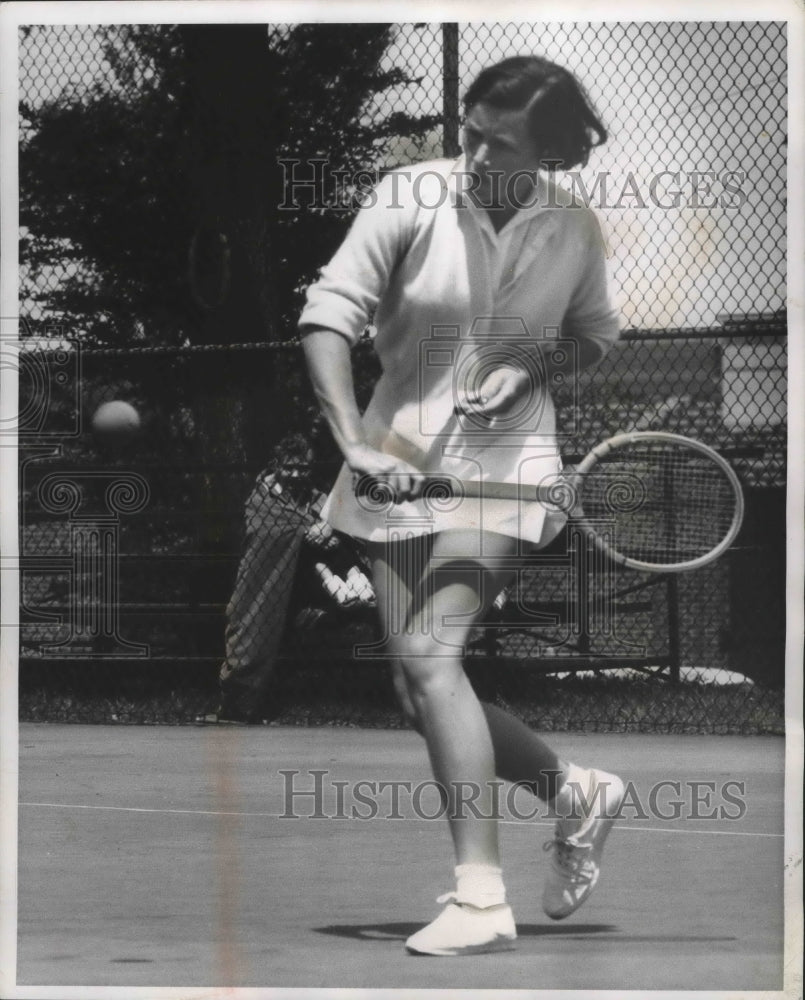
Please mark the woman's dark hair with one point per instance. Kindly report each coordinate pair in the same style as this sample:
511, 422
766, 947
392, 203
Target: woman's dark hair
561, 117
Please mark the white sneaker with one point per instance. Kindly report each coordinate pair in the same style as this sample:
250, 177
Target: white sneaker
577, 847
461, 929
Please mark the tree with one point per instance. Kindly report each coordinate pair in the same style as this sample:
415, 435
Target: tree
181, 145
102, 212
153, 195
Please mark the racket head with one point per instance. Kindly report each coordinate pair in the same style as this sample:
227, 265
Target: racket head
658, 502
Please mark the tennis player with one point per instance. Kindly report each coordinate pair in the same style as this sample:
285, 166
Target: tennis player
473, 271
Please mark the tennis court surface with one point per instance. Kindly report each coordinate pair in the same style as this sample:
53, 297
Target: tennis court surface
158, 856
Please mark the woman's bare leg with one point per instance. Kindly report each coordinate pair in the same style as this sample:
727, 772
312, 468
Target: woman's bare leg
429, 597
521, 756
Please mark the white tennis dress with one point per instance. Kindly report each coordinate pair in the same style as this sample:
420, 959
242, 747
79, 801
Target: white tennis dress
453, 300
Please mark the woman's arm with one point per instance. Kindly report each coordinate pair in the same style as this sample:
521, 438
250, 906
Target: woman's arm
329, 363
591, 319
350, 286
337, 309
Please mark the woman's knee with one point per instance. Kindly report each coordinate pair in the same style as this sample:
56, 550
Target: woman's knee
427, 668
421, 648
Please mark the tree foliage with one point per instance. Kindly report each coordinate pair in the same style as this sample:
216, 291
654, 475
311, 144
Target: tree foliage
119, 178
322, 116
102, 212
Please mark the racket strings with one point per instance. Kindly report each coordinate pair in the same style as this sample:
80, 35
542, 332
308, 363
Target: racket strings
660, 503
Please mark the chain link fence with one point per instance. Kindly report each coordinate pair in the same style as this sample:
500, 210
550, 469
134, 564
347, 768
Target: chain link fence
131, 547
692, 180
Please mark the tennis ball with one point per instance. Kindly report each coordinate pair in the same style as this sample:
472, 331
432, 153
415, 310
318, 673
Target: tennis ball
116, 421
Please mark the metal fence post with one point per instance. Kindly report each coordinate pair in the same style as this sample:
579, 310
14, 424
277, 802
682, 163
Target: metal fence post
450, 113
673, 626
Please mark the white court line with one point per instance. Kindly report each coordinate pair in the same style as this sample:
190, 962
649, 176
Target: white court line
138, 809
357, 819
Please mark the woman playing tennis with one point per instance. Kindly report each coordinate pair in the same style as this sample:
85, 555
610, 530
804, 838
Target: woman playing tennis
474, 270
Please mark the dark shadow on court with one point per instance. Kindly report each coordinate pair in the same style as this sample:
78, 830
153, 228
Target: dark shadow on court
401, 931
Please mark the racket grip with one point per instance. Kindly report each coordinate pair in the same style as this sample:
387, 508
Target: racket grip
368, 486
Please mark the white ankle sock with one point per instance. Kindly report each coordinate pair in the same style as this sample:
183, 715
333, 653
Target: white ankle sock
480, 885
569, 797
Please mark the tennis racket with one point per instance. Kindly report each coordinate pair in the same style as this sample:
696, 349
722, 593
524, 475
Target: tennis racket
650, 500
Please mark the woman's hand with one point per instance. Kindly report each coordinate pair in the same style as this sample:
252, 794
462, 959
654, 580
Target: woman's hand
499, 391
366, 462
328, 358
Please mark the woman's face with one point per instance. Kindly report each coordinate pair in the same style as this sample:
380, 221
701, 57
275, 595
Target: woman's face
498, 146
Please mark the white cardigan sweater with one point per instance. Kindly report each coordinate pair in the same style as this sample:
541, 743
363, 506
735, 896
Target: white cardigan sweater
451, 300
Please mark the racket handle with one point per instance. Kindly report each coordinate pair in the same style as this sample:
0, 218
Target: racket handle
441, 487
368, 486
